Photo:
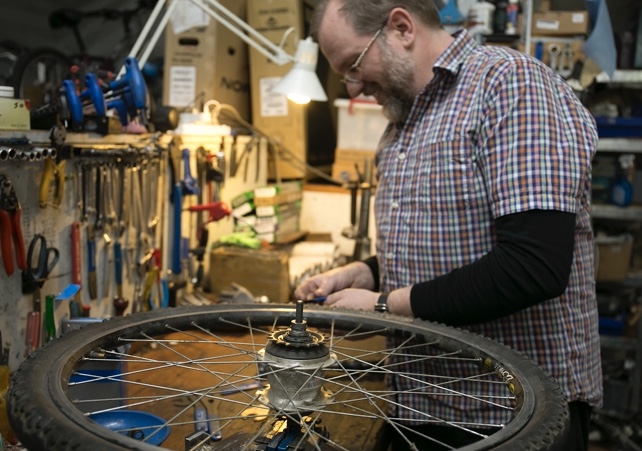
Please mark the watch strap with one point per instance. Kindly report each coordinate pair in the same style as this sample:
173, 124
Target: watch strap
382, 303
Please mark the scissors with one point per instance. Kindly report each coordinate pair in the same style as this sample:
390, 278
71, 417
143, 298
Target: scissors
41, 260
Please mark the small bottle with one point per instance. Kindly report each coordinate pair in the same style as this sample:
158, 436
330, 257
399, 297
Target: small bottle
512, 13
499, 17
622, 187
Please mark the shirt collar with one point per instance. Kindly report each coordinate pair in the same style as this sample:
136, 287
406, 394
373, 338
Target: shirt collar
452, 58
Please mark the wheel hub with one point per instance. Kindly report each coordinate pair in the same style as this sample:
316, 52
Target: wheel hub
294, 360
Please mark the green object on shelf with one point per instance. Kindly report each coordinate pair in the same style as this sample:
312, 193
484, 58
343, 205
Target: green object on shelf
50, 322
242, 239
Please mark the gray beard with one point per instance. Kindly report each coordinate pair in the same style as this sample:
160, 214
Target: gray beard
398, 80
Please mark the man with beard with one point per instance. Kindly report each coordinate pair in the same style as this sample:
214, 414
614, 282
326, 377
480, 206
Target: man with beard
482, 205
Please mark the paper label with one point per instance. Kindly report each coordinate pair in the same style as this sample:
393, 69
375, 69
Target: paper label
182, 85
547, 24
272, 103
577, 18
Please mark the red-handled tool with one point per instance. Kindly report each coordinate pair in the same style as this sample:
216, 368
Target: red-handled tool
75, 253
76, 271
32, 336
10, 217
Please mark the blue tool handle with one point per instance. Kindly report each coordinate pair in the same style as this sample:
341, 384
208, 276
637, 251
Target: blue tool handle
74, 104
121, 110
539, 50
94, 93
176, 239
118, 262
190, 185
133, 81
91, 255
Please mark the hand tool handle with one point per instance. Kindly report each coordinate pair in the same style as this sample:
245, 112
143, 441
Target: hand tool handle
18, 241
5, 242
32, 336
75, 253
45, 183
91, 255
118, 264
50, 322
176, 239
91, 264
59, 174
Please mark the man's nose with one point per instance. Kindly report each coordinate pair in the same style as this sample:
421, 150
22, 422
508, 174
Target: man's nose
354, 89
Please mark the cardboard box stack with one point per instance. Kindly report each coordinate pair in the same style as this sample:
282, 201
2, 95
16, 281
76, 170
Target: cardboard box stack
272, 212
303, 132
205, 62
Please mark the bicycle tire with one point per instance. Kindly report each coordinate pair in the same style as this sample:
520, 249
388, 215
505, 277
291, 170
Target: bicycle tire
44, 417
31, 66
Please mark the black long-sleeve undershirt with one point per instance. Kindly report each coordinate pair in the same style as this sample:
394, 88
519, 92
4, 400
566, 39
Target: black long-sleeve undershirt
530, 263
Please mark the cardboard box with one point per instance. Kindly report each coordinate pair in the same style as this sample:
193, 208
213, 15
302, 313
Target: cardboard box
14, 114
613, 257
207, 63
560, 23
305, 132
346, 171
361, 124
263, 272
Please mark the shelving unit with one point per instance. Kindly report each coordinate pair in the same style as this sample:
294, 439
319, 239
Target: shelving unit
603, 213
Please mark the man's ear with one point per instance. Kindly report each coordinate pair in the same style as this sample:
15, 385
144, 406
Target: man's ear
403, 26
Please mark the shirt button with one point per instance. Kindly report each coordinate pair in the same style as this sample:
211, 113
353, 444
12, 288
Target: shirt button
390, 255
395, 205
402, 156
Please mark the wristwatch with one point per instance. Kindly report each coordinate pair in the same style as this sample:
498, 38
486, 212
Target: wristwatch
382, 304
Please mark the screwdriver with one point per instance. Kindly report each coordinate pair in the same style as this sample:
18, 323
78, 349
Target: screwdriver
50, 322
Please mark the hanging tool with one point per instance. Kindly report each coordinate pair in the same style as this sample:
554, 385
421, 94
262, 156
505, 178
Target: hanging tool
216, 212
189, 183
50, 321
35, 276
120, 303
33, 279
76, 263
10, 227
52, 172
561, 59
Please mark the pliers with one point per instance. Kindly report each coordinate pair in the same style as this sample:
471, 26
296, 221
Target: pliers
10, 216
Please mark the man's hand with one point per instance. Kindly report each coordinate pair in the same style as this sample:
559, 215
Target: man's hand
353, 298
352, 275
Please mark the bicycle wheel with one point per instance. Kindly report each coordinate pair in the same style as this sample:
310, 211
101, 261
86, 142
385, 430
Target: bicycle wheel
266, 377
38, 76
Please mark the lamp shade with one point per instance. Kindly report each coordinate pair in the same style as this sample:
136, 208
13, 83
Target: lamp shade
301, 84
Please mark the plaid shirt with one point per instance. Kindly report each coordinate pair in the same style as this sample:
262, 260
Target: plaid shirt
494, 133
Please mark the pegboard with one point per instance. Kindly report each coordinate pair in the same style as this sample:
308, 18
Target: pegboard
55, 225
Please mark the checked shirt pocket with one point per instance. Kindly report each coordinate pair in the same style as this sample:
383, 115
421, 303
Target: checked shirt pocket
446, 172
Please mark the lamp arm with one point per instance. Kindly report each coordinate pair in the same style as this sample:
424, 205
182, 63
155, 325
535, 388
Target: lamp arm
216, 10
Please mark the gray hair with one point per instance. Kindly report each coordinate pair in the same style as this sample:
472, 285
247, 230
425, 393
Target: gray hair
367, 16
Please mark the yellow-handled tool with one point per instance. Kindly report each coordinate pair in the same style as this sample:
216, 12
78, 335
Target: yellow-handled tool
52, 173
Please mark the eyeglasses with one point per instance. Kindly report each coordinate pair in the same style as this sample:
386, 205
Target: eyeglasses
355, 73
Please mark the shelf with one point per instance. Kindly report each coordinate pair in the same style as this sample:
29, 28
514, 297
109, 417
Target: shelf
616, 342
622, 77
602, 211
91, 140
620, 145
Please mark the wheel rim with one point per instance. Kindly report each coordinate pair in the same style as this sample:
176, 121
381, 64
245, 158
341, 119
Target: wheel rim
220, 349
